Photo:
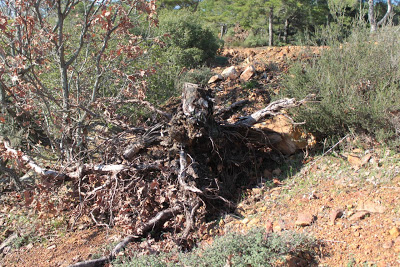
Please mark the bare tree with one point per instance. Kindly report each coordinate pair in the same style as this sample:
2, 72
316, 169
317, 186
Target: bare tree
372, 18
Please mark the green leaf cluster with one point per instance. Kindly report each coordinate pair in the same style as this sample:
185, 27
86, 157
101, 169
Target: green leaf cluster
255, 248
188, 42
357, 85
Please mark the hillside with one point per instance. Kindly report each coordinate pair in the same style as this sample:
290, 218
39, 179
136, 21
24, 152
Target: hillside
346, 198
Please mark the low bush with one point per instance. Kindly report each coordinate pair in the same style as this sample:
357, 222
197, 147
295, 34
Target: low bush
188, 42
255, 248
256, 40
198, 76
357, 87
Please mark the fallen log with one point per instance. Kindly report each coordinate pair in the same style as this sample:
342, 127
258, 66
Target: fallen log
272, 109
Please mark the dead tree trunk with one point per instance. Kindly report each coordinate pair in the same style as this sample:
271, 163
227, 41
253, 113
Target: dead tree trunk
221, 156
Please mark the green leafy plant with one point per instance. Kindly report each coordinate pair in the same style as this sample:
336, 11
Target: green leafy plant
356, 86
198, 76
188, 42
256, 248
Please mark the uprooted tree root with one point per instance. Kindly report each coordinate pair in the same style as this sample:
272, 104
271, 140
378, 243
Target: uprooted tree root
171, 177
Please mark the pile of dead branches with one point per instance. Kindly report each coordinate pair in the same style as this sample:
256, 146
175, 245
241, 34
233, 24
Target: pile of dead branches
168, 177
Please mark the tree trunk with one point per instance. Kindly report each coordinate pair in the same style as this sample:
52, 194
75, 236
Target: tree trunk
371, 15
270, 28
223, 29
285, 32
2, 97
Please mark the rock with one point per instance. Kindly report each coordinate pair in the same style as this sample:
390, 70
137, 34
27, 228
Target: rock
215, 78
278, 226
358, 215
245, 220
256, 191
248, 73
304, 219
337, 213
269, 227
286, 146
254, 222
284, 126
357, 162
388, 244
372, 207
230, 72
354, 161
394, 232
6, 249
365, 159
51, 247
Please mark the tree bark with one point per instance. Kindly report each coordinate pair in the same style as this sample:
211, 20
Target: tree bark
222, 31
371, 15
270, 27
285, 32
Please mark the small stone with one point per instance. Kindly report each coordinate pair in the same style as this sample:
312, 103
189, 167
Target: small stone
337, 213
254, 222
6, 249
51, 247
29, 246
245, 220
356, 234
248, 73
278, 226
365, 159
387, 245
358, 215
230, 73
257, 191
394, 232
304, 219
215, 78
372, 207
269, 227
354, 161
263, 209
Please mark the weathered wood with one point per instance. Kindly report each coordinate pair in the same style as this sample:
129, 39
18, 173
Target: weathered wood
271, 110
148, 138
28, 161
197, 102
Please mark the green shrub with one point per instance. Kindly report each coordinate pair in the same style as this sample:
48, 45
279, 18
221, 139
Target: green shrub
161, 85
188, 42
255, 40
198, 76
252, 249
357, 87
